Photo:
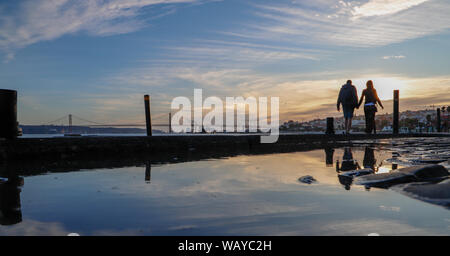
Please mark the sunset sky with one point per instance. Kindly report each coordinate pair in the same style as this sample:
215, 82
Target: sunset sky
97, 58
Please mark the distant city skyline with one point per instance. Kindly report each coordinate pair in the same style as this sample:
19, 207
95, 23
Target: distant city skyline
97, 59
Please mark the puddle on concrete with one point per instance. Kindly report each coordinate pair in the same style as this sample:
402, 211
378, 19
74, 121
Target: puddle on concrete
243, 195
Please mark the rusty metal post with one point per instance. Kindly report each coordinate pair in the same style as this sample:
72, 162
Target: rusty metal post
148, 118
396, 112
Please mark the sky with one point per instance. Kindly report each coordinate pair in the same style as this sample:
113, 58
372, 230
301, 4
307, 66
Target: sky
97, 58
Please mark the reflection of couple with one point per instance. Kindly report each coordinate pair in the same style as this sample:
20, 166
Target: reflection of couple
349, 164
348, 97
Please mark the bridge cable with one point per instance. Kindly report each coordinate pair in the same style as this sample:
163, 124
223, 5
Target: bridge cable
56, 120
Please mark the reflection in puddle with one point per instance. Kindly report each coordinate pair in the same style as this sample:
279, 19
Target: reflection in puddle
243, 195
349, 167
10, 200
148, 172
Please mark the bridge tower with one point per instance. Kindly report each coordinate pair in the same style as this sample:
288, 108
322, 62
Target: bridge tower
70, 123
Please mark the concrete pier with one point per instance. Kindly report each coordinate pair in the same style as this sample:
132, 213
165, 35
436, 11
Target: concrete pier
31, 156
24, 149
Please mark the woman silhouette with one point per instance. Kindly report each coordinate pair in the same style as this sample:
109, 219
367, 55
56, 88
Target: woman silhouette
370, 108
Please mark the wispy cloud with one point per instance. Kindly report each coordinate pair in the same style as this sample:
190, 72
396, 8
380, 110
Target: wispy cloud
240, 53
384, 7
393, 57
9, 57
42, 20
349, 23
302, 96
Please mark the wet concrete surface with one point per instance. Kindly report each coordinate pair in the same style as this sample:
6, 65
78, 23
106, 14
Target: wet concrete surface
424, 175
76, 192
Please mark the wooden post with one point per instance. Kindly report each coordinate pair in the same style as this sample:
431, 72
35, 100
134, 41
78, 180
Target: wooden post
148, 118
396, 112
8, 114
170, 122
330, 125
438, 120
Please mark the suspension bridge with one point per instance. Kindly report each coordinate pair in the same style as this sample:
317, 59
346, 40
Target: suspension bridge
70, 120
74, 120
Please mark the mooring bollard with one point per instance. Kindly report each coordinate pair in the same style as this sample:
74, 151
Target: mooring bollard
438, 120
148, 118
396, 112
330, 125
8, 114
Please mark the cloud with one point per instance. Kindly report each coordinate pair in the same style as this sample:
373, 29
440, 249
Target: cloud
29, 227
302, 96
384, 7
348, 23
390, 208
42, 20
241, 53
393, 57
9, 57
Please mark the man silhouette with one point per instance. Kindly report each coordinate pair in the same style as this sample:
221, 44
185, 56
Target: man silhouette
348, 97
348, 164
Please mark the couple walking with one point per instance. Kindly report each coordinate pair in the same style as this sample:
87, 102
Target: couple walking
348, 98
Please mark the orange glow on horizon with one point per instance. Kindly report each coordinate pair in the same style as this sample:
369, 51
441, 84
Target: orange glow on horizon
384, 86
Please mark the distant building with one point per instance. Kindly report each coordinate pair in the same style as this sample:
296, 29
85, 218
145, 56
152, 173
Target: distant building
414, 121
404, 130
358, 123
387, 129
